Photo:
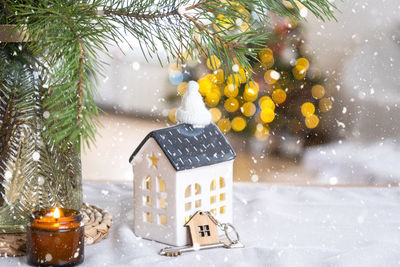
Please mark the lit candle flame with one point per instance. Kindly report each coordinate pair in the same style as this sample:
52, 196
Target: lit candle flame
56, 213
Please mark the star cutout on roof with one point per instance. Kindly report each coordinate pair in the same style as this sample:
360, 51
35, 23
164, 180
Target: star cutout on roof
153, 160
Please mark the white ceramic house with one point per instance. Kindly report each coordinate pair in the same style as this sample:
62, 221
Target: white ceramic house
180, 170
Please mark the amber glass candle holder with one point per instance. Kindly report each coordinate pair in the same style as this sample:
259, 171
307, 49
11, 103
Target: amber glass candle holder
55, 237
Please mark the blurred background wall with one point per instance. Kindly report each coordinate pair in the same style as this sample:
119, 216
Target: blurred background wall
362, 52
359, 55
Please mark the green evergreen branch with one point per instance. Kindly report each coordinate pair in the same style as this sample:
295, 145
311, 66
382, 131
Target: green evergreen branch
81, 76
70, 34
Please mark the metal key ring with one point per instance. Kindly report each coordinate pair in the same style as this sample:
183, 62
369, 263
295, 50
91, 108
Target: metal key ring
226, 228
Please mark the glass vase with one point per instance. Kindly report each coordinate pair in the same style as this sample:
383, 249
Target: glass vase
35, 173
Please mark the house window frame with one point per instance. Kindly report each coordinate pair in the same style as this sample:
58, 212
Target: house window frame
151, 190
218, 189
193, 201
204, 230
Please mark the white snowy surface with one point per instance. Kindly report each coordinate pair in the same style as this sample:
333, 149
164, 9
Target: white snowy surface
352, 162
280, 226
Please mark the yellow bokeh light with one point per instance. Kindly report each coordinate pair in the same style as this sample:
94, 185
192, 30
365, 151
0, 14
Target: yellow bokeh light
279, 96
252, 84
234, 79
223, 23
188, 57
267, 115
220, 76
287, 4
205, 86
231, 104
302, 64
212, 77
242, 75
271, 76
230, 90
171, 115
224, 125
266, 102
216, 89
266, 55
312, 121
240, 8
244, 27
261, 132
248, 109
325, 104
212, 98
301, 69
213, 63
238, 124
181, 88
250, 94
318, 91
267, 65
216, 114
307, 109
299, 75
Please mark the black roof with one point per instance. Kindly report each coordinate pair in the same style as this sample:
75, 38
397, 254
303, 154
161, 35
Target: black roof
187, 147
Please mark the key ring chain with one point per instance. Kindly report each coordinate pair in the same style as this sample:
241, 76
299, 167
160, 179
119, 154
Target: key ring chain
225, 227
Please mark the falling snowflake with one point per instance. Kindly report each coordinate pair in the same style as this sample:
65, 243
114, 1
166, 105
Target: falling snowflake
254, 178
46, 114
48, 257
8, 174
36, 156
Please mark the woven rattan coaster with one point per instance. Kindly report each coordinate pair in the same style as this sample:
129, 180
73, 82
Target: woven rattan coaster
97, 223
97, 227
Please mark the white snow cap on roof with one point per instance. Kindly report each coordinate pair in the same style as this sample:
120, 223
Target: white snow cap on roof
192, 109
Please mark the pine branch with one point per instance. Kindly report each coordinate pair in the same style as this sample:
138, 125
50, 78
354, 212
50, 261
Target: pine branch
140, 16
19, 99
70, 35
81, 77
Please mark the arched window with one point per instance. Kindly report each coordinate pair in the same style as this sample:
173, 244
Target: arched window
222, 209
148, 217
213, 185
197, 192
221, 182
192, 199
162, 203
162, 196
154, 199
162, 219
147, 182
188, 191
188, 194
218, 195
147, 200
161, 185
197, 189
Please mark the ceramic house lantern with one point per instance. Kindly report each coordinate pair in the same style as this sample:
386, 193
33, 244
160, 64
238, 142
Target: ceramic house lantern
180, 170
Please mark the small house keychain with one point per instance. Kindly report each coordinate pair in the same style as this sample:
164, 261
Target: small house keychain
204, 235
